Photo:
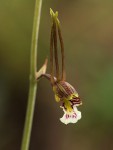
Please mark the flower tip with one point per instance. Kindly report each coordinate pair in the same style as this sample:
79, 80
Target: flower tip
56, 13
51, 12
53, 15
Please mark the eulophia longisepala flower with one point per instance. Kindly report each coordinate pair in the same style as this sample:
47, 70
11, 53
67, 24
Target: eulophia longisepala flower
64, 92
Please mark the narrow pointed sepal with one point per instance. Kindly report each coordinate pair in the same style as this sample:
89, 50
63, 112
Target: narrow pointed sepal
42, 70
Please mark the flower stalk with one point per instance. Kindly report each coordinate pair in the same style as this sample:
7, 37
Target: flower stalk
33, 82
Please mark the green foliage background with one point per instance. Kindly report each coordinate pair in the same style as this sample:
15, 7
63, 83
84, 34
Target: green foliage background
87, 28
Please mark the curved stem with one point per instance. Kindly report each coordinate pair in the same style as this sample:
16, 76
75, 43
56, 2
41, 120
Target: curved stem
33, 82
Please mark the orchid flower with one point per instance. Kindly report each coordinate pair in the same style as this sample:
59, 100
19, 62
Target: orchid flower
64, 92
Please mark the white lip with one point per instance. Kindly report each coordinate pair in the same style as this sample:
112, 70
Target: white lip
73, 116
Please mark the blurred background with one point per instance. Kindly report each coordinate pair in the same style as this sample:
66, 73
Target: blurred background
87, 27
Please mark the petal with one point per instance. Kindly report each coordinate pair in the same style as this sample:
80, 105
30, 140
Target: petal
77, 112
71, 117
57, 98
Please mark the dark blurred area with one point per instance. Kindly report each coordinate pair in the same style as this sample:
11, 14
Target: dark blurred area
87, 28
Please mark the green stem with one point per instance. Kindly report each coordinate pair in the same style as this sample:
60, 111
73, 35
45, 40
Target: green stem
33, 83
